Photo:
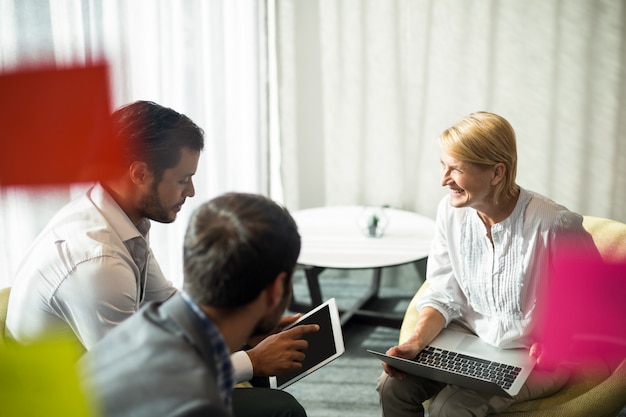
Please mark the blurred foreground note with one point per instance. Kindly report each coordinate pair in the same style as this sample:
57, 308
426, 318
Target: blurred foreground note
583, 311
55, 126
41, 380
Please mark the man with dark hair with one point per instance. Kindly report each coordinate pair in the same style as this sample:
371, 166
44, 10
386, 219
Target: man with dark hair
92, 267
171, 358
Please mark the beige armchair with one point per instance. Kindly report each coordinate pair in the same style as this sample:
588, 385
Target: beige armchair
601, 393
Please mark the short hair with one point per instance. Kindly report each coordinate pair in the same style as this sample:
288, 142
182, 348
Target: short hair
154, 134
485, 139
235, 245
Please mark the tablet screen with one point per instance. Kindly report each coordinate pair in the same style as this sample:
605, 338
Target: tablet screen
325, 345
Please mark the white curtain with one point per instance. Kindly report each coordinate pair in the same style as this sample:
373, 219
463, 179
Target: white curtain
203, 58
366, 86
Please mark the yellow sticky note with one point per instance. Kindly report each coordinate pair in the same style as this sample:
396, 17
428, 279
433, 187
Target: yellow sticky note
41, 380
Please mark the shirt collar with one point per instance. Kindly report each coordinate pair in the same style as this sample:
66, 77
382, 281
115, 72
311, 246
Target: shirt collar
117, 218
221, 352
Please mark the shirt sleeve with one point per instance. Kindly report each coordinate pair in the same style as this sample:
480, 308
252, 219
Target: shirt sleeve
242, 365
158, 288
568, 237
96, 296
443, 293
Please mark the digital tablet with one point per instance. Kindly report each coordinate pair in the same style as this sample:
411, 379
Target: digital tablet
325, 345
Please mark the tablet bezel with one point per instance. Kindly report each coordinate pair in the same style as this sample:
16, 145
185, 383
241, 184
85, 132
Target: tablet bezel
337, 334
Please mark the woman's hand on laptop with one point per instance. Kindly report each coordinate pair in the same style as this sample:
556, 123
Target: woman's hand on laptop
428, 326
406, 351
536, 352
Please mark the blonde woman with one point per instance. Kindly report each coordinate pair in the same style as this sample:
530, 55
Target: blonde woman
493, 243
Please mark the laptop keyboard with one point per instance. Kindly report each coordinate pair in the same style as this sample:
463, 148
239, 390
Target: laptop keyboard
496, 372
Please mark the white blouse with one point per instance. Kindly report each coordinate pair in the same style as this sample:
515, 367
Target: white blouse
492, 289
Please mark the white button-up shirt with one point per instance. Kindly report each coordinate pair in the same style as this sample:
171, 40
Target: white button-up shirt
493, 289
87, 271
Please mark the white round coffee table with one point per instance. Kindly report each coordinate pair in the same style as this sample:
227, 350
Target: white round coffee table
338, 237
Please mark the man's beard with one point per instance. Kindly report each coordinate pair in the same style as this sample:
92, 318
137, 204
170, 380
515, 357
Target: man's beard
267, 325
152, 208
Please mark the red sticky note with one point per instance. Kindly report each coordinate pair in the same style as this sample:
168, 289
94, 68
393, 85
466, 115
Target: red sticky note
55, 126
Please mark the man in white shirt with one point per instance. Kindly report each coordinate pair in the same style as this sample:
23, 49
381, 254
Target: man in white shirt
92, 266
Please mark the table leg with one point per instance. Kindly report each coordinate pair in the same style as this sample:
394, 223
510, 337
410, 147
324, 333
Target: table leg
312, 279
359, 311
362, 312
370, 296
420, 267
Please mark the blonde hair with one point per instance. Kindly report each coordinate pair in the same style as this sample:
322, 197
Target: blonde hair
485, 139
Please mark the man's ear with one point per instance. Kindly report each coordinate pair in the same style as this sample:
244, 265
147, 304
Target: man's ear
138, 172
275, 290
498, 173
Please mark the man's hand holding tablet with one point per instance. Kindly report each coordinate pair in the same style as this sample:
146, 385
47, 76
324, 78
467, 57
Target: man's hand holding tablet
324, 345
287, 358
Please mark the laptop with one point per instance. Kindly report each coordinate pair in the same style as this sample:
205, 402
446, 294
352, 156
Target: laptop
463, 359
325, 345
